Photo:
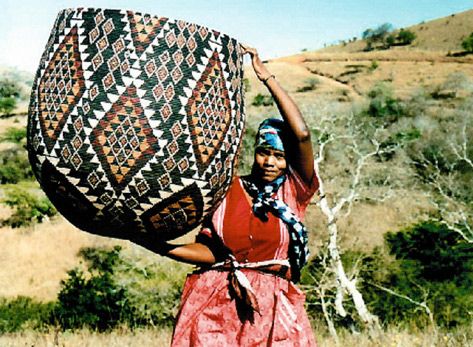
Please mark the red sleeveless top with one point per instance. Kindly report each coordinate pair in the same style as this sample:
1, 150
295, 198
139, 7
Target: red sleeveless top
249, 238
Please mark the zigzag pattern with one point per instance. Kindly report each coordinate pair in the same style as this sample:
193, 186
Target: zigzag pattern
137, 117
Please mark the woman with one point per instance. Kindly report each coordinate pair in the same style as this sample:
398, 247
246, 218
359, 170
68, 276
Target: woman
252, 248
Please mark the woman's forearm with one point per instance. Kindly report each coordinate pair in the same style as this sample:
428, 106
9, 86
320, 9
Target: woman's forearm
192, 253
289, 110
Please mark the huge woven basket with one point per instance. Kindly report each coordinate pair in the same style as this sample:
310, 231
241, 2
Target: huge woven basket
135, 121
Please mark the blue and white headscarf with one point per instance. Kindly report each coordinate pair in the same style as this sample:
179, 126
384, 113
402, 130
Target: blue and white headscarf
269, 135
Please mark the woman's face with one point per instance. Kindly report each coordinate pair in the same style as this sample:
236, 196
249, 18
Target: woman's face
269, 163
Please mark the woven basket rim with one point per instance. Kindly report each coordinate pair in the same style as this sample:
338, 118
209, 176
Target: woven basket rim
75, 9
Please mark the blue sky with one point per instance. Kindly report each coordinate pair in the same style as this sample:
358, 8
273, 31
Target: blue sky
275, 27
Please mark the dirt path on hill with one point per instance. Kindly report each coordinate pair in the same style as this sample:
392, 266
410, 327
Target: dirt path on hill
334, 81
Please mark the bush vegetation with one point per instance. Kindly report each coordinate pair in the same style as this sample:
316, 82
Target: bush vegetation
111, 291
9, 94
14, 135
383, 37
28, 208
429, 264
467, 43
93, 300
22, 313
14, 166
310, 84
406, 37
383, 105
262, 100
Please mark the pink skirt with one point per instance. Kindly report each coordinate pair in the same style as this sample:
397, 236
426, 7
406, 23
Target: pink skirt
209, 315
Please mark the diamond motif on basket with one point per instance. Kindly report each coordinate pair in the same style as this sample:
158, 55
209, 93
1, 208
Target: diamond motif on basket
158, 91
164, 57
113, 63
190, 59
94, 34
123, 139
203, 33
99, 18
150, 67
165, 112
118, 45
176, 74
93, 179
169, 93
170, 38
102, 44
108, 26
97, 60
178, 57
55, 100
181, 40
191, 45
162, 73
209, 113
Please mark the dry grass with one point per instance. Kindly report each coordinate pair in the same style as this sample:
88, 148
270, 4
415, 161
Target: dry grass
159, 337
396, 337
393, 337
34, 260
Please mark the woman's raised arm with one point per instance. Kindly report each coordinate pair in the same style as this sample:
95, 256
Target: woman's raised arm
300, 153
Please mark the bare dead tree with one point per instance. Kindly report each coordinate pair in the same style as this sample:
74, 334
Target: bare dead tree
362, 150
323, 289
443, 190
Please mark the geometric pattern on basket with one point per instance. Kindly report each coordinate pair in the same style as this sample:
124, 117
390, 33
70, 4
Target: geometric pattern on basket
141, 115
176, 213
209, 112
61, 86
123, 138
144, 29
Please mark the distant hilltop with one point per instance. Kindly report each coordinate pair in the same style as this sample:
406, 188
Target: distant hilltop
444, 34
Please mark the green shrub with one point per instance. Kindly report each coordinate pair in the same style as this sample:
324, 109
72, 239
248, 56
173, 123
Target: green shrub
376, 36
390, 40
406, 37
246, 158
13, 134
374, 65
467, 43
93, 300
154, 291
427, 263
399, 139
310, 84
246, 85
115, 291
14, 166
262, 100
7, 105
23, 312
432, 264
383, 105
28, 208
9, 93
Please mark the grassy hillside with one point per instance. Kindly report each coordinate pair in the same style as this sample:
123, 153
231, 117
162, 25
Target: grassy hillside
442, 34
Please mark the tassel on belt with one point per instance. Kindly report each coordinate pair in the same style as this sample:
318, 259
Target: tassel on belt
240, 284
